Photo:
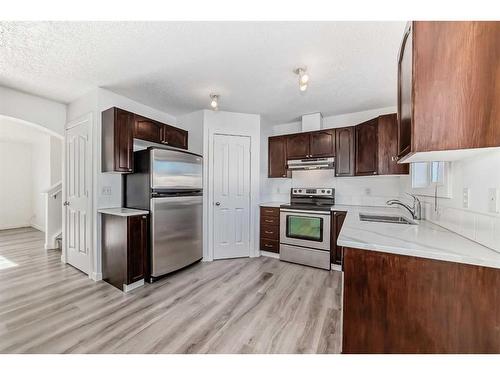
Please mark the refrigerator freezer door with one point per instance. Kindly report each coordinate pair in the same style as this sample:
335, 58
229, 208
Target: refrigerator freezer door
176, 170
176, 233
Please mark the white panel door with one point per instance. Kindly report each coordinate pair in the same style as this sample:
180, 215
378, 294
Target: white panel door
78, 198
231, 196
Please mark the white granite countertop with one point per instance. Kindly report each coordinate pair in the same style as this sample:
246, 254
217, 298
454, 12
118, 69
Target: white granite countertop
425, 240
122, 211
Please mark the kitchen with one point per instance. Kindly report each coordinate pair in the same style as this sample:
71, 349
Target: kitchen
381, 223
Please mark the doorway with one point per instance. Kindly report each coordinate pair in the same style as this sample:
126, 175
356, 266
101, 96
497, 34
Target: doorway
231, 196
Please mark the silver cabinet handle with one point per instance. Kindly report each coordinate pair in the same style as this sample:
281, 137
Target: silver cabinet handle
269, 221
267, 232
217, 203
267, 245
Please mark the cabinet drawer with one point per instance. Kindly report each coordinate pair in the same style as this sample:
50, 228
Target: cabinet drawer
269, 220
269, 245
270, 232
270, 211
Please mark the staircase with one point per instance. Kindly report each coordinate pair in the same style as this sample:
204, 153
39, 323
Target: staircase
59, 241
53, 216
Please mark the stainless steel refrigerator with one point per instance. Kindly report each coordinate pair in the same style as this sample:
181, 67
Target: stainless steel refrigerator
169, 183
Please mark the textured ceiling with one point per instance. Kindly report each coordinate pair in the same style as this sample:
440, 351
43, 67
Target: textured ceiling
174, 66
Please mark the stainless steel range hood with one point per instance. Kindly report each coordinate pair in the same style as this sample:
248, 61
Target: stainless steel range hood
311, 163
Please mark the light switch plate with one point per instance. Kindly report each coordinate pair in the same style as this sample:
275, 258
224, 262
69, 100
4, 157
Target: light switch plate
465, 198
106, 190
493, 197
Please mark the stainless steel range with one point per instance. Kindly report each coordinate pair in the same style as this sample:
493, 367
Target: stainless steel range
305, 227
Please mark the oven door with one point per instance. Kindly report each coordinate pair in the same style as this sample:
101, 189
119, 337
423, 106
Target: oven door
305, 228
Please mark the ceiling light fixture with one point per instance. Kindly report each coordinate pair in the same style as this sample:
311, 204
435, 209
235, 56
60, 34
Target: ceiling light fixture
214, 101
303, 78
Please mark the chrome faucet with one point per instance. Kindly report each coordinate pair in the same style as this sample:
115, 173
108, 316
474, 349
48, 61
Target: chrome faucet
415, 210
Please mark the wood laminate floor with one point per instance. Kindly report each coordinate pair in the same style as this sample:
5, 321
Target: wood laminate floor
256, 305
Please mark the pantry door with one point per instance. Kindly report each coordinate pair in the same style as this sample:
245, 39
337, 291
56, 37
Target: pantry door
231, 196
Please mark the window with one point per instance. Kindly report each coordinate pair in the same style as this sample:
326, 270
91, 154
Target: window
426, 176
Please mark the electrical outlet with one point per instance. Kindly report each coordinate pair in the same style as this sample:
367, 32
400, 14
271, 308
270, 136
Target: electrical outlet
465, 198
368, 191
493, 197
106, 190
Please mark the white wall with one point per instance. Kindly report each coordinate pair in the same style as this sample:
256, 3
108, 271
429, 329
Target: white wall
220, 122
45, 157
15, 187
372, 190
478, 173
47, 113
56, 159
40, 164
193, 123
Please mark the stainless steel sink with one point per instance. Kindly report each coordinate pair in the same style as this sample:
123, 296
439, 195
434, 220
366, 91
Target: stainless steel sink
386, 219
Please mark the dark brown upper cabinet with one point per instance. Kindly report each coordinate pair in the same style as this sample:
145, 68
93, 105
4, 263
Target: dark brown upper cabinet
366, 163
277, 157
344, 145
388, 146
404, 92
120, 127
298, 146
174, 137
117, 154
147, 129
447, 96
322, 143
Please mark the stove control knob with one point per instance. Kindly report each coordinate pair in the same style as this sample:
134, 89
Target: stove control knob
323, 191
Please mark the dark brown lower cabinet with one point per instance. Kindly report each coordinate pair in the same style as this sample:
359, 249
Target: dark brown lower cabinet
124, 249
403, 304
337, 221
270, 229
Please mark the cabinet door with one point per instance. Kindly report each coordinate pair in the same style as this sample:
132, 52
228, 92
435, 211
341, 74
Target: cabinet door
137, 247
277, 157
344, 152
146, 129
297, 146
405, 79
123, 141
337, 222
388, 146
322, 143
367, 148
175, 137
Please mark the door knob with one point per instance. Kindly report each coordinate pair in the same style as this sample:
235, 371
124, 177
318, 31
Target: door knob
66, 203
217, 203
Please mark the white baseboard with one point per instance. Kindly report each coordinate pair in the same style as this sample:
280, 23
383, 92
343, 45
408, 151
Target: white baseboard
15, 226
269, 254
96, 276
336, 267
37, 227
129, 287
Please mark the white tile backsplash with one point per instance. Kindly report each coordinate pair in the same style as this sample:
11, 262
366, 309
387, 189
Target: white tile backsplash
478, 174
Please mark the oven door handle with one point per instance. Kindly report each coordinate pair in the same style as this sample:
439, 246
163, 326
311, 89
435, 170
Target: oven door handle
324, 213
